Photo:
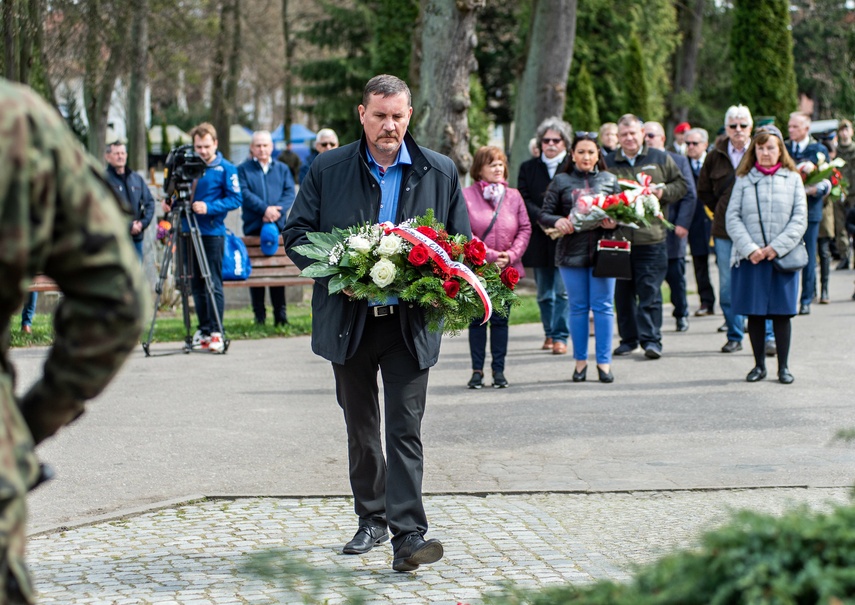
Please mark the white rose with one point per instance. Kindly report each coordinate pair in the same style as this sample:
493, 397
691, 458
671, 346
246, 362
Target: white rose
359, 244
383, 272
389, 245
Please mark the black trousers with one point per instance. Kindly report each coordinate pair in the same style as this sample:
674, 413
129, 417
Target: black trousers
277, 300
701, 265
385, 490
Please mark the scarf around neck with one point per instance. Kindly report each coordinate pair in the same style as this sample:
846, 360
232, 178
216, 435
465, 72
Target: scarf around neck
492, 192
767, 171
553, 164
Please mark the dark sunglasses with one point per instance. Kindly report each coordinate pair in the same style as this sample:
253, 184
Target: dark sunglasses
693, 143
735, 126
328, 144
549, 141
581, 134
650, 135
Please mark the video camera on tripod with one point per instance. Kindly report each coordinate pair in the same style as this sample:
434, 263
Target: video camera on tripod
183, 167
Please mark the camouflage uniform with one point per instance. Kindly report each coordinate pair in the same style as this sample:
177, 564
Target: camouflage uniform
57, 217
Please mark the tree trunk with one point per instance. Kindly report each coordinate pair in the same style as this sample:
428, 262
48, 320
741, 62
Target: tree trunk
10, 39
543, 87
448, 44
690, 17
137, 155
288, 81
226, 72
97, 91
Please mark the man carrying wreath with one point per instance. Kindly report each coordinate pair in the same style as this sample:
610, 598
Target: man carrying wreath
384, 176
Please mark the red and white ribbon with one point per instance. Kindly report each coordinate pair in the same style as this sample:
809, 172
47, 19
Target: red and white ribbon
441, 258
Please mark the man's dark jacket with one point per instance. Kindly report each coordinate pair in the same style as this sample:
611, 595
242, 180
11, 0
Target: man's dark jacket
132, 190
661, 168
532, 183
681, 213
340, 191
810, 154
260, 190
715, 184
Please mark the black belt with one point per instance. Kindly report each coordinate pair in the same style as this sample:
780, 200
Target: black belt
382, 311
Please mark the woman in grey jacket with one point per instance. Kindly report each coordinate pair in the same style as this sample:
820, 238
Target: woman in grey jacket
766, 218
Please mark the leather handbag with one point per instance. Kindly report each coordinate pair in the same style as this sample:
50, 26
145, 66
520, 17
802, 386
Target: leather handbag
794, 260
612, 259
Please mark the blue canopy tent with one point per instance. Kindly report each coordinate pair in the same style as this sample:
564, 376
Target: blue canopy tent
300, 135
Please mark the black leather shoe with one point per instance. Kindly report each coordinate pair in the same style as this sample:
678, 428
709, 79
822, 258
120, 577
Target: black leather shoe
365, 538
416, 551
722, 327
477, 380
756, 374
580, 375
804, 310
704, 311
731, 346
843, 265
682, 324
784, 376
605, 376
625, 349
652, 352
499, 380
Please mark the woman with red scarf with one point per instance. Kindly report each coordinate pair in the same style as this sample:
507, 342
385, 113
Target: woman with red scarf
499, 218
766, 218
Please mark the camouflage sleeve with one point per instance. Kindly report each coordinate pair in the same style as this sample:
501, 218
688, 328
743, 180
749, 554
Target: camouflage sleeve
82, 244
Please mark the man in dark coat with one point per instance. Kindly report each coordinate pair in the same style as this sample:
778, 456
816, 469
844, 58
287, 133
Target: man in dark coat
553, 140
697, 141
383, 176
680, 215
805, 150
132, 190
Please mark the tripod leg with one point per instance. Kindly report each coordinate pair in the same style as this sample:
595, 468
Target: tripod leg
161, 278
182, 282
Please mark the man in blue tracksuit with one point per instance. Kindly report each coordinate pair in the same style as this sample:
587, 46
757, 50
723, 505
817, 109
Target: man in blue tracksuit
268, 193
215, 194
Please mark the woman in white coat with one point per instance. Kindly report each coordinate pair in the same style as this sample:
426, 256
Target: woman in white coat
766, 218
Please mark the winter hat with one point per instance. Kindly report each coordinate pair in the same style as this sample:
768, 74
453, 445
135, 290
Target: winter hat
269, 238
682, 127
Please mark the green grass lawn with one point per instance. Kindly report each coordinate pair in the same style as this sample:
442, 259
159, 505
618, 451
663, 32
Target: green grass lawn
239, 323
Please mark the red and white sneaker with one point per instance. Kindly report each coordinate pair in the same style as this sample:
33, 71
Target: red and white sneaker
216, 344
201, 342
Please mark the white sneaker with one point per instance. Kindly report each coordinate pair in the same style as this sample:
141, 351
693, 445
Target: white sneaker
201, 342
216, 344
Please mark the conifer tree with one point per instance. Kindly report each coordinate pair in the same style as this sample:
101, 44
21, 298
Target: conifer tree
635, 81
762, 57
581, 108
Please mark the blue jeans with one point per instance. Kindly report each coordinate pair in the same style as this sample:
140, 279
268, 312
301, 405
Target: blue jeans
676, 278
29, 309
213, 245
638, 301
735, 323
587, 292
138, 246
811, 238
498, 342
552, 300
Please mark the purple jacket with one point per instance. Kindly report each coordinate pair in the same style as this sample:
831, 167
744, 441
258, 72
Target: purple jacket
512, 229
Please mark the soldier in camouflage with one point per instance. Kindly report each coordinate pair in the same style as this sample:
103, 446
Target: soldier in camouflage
57, 217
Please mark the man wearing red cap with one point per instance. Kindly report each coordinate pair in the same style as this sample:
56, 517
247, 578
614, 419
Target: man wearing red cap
679, 144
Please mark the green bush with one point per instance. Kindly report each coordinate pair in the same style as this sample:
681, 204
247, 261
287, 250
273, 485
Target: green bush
802, 557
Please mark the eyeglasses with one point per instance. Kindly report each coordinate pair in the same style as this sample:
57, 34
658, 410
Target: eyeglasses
581, 134
328, 144
650, 135
693, 143
742, 126
549, 141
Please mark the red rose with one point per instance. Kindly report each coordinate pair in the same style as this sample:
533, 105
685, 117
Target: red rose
427, 231
418, 255
451, 287
475, 252
447, 247
510, 277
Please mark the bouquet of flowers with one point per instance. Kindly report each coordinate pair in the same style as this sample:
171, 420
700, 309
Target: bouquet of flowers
591, 209
813, 174
646, 204
418, 261
839, 186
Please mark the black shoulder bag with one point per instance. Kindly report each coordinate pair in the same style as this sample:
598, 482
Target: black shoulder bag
794, 260
495, 215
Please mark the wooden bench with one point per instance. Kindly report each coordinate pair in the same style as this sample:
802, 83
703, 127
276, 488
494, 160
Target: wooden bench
276, 270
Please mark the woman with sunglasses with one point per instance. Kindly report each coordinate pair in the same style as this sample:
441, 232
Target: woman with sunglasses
574, 254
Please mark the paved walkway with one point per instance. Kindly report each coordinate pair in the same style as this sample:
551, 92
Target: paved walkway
547, 481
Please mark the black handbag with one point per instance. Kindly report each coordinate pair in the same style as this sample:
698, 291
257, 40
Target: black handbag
612, 259
794, 260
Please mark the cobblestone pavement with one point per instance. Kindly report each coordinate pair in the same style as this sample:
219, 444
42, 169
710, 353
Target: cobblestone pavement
197, 553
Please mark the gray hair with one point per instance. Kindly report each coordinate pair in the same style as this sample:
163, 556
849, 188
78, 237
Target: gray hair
558, 125
705, 136
656, 127
735, 111
388, 86
109, 147
630, 119
803, 115
261, 133
326, 133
